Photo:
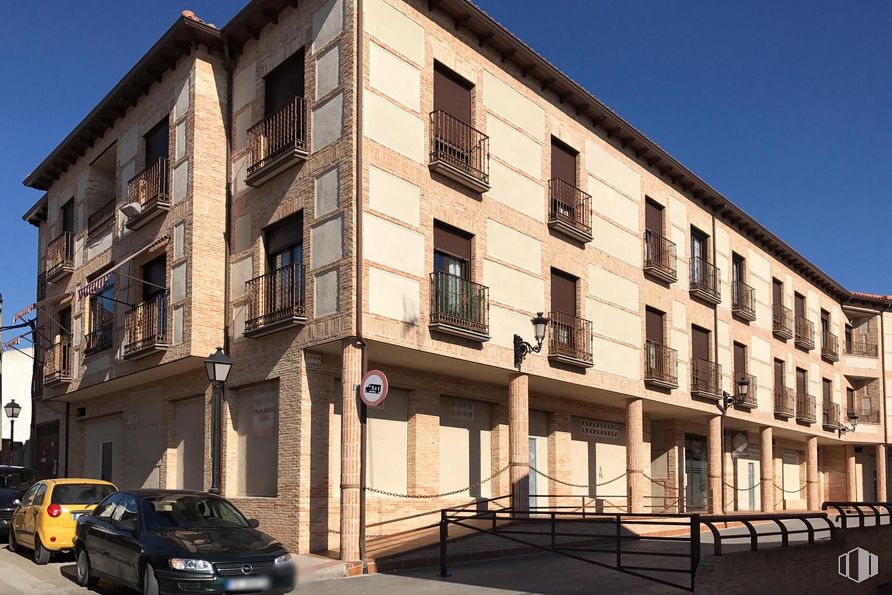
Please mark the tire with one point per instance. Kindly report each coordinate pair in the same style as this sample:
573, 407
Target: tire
41, 554
83, 571
13, 542
150, 581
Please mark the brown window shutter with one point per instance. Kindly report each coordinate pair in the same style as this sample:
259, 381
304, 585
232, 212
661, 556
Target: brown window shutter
563, 293
654, 326
700, 343
285, 233
563, 162
452, 94
777, 292
452, 241
284, 83
653, 217
739, 360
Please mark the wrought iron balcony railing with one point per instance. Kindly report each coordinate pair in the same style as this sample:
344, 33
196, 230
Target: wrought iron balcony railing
60, 256
459, 151
145, 327
706, 282
276, 300
277, 142
101, 219
866, 403
57, 362
706, 378
743, 300
748, 401
659, 257
660, 365
805, 333
782, 321
150, 190
805, 409
784, 402
829, 347
570, 340
570, 210
861, 347
459, 307
99, 339
830, 418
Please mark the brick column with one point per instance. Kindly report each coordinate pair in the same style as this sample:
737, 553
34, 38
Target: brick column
766, 471
714, 463
882, 493
351, 375
812, 493
851, 474
519, 440
635, 454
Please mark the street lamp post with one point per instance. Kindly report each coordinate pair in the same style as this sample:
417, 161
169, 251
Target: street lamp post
218, 365
12, 410
729, 400
523, 348
853, 421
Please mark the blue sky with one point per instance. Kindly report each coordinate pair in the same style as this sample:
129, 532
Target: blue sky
782, 106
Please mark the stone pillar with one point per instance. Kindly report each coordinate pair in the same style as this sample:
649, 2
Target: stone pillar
714, 463
351, 376
812, 493
766, 472
519, 440
851, 474
882, 492
635, 454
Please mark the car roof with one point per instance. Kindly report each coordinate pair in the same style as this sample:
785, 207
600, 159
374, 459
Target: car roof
154, 492
78, 481
14, 468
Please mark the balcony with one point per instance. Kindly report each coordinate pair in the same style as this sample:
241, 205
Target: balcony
60, 257
866, 404
784, 402
706, 282
748, 401
829, 347
805, 409
276, 301
706, 379
570, 211
101, 220
41, 286
830, 419
660, 365
98, 340
570, 340
459, 307
148, 194
57, 364
145, 328
743, 301
459, 152
277, 142
805, 333
861, 347
659, 257
782, 322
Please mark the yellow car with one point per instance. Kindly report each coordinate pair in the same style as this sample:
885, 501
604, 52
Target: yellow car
45, 518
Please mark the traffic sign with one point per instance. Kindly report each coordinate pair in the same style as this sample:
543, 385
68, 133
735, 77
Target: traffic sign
373, 389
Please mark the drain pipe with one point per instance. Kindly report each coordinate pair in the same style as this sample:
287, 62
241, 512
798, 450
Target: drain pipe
882, 345
715, 340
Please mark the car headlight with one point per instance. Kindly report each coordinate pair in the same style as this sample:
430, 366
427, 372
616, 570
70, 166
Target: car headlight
283, 559
190, 565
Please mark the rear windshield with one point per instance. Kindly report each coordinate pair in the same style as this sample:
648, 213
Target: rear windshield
17, 479
81, 493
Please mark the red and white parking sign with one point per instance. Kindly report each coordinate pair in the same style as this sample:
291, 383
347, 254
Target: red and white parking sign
373, 389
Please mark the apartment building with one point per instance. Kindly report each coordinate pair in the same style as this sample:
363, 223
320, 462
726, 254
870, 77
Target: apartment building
327, 187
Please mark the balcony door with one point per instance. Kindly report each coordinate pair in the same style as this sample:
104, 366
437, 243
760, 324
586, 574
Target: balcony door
67, 212
695, 473
452, 94
779, 374
737, 269
698, 256
799, 304
563, 307
740, 367
801, 382
563, 162
157, 143
154, 275
64, 327
452, 270
777, 292
825, 323
285, 82
284, 241
700, 343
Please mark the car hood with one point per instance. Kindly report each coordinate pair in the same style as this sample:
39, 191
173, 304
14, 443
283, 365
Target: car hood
7, 495
218, 545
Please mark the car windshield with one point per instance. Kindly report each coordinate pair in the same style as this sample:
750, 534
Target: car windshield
190, 511
84, 494
17, 479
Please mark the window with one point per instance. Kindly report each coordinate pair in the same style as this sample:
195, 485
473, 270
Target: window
779, 374
39, 495
700, 343
284, 83
67, 213
157, 143
799, 304
284, 242
64, 327
699, 256
740, 363
28, 498
738, 269
827, 390
563, 292
258, 440
563, 162
801, 382
654, 326
154, 278
452, 94
452, 251
107, 507
653, 217
106, 461
102, 318
825, 322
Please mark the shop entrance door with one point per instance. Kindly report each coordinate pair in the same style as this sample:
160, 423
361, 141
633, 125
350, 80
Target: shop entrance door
696, 479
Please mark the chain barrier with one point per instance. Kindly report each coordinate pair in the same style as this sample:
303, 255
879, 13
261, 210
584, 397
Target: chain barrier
442, 495
576, 485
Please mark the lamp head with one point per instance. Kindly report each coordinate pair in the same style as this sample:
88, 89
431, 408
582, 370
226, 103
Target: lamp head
12, 409
218, 365
539, 325
743, 386
853, 419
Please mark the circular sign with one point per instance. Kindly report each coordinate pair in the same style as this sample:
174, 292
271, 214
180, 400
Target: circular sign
373, 389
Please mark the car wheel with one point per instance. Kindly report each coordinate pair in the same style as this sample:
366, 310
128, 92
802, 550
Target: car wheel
150, 581
83, 572
13, 544
41, 554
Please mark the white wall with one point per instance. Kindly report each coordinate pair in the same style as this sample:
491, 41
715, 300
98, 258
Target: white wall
17, 385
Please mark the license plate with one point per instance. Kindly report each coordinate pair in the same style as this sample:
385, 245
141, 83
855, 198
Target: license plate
247, 583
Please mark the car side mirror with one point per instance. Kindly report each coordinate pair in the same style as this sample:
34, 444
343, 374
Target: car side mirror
253, 523
16, 502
